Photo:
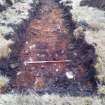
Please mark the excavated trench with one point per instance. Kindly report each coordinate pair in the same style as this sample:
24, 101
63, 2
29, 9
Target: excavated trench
51, 59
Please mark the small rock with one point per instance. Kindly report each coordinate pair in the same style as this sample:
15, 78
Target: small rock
69, 75
14, 65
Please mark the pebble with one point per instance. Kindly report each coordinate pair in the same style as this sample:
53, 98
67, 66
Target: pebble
69, 75
14, 65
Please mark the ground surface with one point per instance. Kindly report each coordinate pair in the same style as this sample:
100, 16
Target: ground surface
51, 58
92, 36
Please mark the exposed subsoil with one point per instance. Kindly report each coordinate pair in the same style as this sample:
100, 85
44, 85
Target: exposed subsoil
50, 52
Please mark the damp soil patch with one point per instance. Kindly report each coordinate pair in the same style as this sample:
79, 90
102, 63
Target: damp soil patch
51, 59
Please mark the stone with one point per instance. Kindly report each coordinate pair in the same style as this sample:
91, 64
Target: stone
69, 75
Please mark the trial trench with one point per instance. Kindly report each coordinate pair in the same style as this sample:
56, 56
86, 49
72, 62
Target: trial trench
51, 58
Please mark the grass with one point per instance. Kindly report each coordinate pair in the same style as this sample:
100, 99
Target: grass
3, 81
34, 99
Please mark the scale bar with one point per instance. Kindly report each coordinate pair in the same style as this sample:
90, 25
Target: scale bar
40, 62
